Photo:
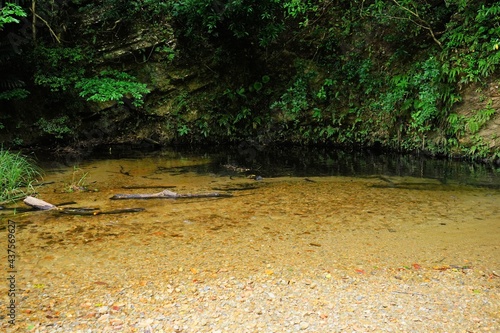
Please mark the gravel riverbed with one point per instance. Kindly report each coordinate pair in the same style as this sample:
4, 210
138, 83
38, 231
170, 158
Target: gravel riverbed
336, 255
402, 300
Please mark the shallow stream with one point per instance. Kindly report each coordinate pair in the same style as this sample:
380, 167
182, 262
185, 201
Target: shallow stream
322, 215
336, 210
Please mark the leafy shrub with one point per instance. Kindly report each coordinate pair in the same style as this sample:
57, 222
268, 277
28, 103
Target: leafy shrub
9, 12
58, 127
112, 86
59, 68
13, 94
263, 21
293, 101
471, 42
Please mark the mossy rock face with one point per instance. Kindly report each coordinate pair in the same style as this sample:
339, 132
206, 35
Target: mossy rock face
158, 78
478, 129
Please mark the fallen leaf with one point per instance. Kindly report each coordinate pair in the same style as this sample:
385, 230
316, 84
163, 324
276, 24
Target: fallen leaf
360, 271
441, 268
101, 283
416, 266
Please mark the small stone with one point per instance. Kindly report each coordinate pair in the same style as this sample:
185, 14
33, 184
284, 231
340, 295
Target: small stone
303, 325
103, 309
104, 317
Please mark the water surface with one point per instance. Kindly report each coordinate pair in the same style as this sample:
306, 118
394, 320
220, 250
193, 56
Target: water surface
337, 209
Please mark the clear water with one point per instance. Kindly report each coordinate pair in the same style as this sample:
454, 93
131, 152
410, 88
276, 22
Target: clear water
311, 213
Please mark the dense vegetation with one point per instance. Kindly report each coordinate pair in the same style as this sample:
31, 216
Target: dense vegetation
388, 73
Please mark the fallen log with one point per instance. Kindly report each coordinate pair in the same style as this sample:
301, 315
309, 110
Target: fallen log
132, 187
43, 205
96, 211
166, 194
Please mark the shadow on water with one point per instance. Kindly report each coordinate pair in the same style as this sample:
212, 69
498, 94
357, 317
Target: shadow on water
309, 162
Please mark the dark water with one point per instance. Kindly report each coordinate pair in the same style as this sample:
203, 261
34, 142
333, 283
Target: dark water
300, 162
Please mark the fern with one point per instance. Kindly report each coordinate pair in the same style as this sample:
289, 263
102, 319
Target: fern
112, 86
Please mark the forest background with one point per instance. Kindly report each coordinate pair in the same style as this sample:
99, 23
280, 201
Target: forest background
413, 76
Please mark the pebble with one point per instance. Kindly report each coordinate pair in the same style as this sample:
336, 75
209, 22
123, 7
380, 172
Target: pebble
304, 325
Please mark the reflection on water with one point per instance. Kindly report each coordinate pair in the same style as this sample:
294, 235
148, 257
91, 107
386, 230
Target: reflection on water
303, 162
328, 162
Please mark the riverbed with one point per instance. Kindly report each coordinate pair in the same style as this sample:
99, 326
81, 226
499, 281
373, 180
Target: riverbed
379, 236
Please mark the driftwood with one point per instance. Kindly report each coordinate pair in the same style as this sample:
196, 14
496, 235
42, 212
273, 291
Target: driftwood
43, 205
38, 204
166, 194
132, 187
96, 211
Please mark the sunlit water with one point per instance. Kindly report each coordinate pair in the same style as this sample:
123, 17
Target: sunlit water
303, 217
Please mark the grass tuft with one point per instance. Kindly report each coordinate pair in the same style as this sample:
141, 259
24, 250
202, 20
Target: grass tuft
17, 174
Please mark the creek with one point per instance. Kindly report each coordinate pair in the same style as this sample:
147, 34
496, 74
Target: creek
312, 212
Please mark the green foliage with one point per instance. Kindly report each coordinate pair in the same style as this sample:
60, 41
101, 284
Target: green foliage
62, 69
366, 72
17, 141
59, 68
14, 94
263, 22
9, 12
322, 93
294, 101
17, 174
479, 119
10, 84
183, 129
179, 120
112, 85
460, 125
471, 43
167, 51
417, 93
126, 10
58, 127
413, 23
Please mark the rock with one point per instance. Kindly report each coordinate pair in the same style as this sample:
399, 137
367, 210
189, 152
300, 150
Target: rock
303, 325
